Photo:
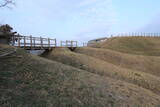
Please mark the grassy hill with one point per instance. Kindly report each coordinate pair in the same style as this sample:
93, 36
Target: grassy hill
103, 68
32, 81
148, 64
133, 45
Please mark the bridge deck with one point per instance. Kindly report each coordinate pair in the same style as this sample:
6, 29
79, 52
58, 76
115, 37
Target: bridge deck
42, 48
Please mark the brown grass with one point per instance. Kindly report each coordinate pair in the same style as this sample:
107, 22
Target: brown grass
103, 68
133, 45
31, 81
146, 64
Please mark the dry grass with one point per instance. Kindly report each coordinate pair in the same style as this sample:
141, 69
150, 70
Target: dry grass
134, 45
31, 81
148, 64
103, 68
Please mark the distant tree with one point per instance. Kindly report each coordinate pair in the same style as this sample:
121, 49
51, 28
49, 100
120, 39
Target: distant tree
6, 3
6, 28
6, 33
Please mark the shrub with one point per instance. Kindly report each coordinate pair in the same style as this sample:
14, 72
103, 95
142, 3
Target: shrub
6, 32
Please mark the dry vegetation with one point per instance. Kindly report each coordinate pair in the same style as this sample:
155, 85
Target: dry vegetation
134, 45
148, 64
28, 80
87, 77
134, 60
103, 68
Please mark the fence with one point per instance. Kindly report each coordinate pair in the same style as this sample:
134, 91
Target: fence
99, 40
137, 34
30, 42
84, 44
69, 43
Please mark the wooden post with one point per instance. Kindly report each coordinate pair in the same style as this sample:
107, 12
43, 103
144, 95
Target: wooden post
84, 44
71, 44
19, 44
24, 41
61, 43
34, 41
31, 41
76, 44
41, 39
55, 42
66, 43
49, 43
13, 40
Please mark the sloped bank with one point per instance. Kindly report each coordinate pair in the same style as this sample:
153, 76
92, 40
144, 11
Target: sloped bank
103, 68
31, 81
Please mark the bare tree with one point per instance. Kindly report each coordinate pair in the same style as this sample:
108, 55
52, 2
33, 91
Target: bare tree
6, 3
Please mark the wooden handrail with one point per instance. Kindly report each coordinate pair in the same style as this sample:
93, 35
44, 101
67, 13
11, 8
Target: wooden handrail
29, 42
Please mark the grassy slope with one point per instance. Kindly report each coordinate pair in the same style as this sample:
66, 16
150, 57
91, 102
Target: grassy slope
27, 80
146, 64
103, 68
134, 45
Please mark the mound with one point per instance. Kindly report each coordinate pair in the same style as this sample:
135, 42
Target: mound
146, 64
103, 68
134, 45
28, 80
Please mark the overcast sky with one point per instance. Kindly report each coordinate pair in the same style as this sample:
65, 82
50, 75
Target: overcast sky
82, 20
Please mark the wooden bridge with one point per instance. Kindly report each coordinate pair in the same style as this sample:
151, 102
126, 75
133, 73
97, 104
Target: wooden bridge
39, 43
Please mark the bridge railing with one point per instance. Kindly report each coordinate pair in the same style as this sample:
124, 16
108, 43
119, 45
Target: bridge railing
33, 42
29, 42
69, 43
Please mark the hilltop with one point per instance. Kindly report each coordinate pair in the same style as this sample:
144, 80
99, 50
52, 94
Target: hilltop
28, 80
138, 45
